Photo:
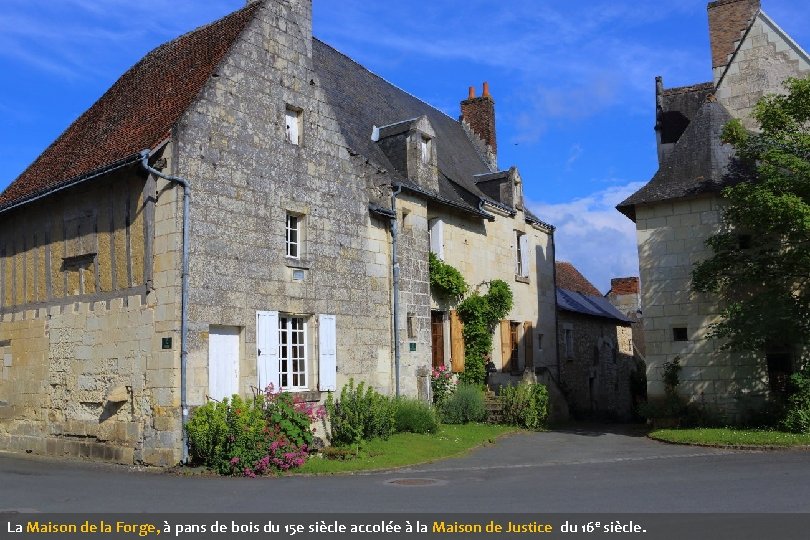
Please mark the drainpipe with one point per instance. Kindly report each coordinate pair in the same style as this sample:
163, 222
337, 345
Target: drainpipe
395, 266
184, 298
556, 317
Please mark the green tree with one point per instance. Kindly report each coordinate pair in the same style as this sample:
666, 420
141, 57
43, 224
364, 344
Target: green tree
760, 263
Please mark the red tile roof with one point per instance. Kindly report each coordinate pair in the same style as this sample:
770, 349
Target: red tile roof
623, 285
137, 112
570, 279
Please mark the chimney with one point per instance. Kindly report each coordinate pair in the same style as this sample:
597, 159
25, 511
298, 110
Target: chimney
623, 285
728, 21
479, 115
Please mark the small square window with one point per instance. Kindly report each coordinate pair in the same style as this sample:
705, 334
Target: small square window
293, 237
292, 120
680, 334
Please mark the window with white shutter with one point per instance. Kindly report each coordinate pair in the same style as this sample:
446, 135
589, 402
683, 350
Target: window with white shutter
436, 228
327, 353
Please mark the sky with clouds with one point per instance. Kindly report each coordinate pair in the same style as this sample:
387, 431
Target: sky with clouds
573, 83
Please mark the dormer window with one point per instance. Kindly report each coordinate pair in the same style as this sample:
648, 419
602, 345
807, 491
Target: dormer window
292, 120
424, 146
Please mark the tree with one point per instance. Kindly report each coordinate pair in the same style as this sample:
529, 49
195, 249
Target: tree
760, 263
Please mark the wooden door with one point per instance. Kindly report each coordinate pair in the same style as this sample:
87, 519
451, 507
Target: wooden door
437, 337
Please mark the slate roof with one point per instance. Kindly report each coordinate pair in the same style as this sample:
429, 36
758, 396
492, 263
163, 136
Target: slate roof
698, 162
586, 304
136, 113
362, 99
569, 278
141, 108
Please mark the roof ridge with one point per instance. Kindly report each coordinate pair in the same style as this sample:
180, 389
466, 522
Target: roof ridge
383, 78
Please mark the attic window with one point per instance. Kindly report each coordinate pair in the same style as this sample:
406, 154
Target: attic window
292, 120
424, 146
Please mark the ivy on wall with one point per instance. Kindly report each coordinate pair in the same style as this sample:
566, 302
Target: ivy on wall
480, 314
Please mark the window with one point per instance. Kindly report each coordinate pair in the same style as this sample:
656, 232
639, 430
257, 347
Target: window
293, 236
568, 336
424, 147
521, 255
680, 334
513, 336
436, 232
292, 119
292, 352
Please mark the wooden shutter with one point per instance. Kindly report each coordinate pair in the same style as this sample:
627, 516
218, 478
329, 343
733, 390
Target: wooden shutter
506, 343
267, 349
524, 255
327, 353
528, 342
437, 237
456, 343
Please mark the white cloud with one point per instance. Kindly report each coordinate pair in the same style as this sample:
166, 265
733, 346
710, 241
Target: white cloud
593, 235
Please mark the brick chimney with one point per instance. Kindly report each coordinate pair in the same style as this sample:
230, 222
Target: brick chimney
478, 113
623, 285
728, 21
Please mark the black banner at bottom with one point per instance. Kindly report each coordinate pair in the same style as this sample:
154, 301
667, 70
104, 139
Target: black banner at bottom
407, 526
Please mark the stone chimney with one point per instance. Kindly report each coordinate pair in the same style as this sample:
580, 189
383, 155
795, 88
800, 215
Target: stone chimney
478, 116
728, 21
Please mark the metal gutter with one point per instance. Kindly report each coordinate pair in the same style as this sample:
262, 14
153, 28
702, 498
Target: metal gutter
184, 297
129, 160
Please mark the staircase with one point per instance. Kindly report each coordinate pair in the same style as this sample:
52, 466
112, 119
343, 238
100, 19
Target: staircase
494, 409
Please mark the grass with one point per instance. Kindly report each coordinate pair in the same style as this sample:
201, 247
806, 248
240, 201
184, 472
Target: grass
404, 449
731, 437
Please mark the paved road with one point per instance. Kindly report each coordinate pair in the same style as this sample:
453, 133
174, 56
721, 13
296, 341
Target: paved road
564, 471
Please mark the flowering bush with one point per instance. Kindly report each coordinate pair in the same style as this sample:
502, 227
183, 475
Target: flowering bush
442, 382
271, 432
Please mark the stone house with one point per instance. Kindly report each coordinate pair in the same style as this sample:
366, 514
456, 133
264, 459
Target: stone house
595, 347
681, 206
247, 205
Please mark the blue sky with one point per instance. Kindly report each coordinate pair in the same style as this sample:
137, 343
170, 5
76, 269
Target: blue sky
573, 83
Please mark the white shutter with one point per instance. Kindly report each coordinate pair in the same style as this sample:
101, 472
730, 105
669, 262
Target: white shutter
267, 349
292, 119
437, 237
327, 353
524, 255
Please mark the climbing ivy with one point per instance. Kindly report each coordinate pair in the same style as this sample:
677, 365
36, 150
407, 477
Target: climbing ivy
446, 279
480, 314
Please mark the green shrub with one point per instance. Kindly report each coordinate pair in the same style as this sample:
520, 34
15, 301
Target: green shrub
797, 414
360, 414
207, 431
266, 433
525, 405
465, 405
415, 416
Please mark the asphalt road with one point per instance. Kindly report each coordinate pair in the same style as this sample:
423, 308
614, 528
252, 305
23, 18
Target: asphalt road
602, 470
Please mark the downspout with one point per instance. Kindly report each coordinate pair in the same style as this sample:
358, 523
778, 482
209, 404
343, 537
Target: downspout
556, 313
184, 299
395, 269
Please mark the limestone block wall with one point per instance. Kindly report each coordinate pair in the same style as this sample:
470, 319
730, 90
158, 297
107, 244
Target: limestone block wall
671, 239
765, 58
247, 177
89, 300
482, 251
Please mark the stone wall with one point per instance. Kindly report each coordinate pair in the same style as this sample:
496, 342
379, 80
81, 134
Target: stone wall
671, 239
764, 60
482, 251
595, 376
247, 177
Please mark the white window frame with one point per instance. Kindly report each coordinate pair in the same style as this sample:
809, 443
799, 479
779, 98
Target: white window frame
521, 254
293, 245
292, 123
424, 146
286, 353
